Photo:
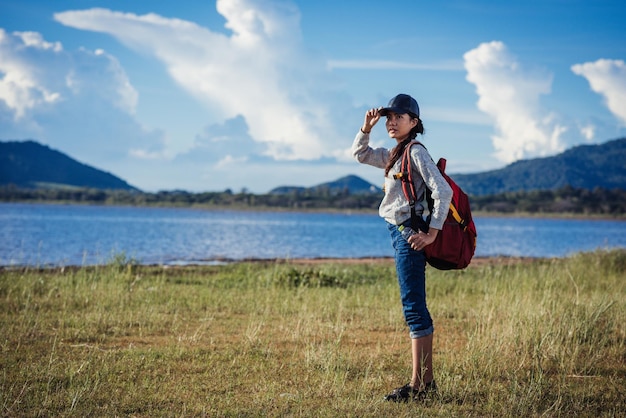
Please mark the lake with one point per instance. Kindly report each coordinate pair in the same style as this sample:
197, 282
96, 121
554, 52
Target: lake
62, 235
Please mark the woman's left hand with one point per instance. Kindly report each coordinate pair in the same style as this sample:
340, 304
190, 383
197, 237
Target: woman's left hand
420, 240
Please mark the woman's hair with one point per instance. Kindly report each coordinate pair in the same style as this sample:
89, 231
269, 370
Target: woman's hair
397, 151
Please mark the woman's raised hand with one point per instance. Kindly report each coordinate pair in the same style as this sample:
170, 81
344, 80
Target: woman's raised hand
371, 118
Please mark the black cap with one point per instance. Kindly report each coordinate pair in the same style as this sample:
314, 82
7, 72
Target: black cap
402, 103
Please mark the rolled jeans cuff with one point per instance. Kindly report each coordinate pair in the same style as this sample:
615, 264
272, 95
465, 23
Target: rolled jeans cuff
422, 332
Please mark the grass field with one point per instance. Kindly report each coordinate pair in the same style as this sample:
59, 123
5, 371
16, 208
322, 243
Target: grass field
513, 338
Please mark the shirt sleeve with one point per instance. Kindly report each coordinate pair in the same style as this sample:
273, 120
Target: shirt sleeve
441, 192
365, 154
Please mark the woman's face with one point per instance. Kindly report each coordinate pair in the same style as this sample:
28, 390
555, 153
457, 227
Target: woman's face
399, 125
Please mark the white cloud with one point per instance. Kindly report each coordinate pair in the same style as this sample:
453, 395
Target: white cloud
35, 40
608, 78
80, 102
21, 84
144, 154
509, 94
259, 72
231, 163
219, 140
588, 132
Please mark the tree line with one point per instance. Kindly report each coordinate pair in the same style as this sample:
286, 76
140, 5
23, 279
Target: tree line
566, 200
570, 200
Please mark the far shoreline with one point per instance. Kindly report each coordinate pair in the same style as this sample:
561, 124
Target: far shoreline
477, 262
356, 211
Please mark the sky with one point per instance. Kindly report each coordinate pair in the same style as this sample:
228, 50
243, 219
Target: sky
249, 95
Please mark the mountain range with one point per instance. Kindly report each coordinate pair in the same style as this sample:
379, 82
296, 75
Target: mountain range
28, 164
355, 184
581, 167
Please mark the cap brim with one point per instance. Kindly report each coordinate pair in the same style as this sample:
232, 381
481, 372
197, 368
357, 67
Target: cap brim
385, 111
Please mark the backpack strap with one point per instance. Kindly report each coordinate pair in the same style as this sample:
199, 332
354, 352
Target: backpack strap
456, 216
408, 186
441, 165
406, 175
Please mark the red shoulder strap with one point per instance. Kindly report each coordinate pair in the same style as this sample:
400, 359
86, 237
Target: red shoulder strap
408, 187
441, 165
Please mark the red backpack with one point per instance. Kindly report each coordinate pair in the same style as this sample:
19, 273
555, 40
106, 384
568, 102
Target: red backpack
455, 244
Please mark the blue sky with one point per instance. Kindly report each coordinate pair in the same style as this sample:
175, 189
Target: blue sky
255, 94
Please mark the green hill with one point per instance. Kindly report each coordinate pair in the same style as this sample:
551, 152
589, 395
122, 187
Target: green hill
582, 167
28, 164
349, 184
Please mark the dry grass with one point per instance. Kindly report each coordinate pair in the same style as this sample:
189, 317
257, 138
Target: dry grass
322, 338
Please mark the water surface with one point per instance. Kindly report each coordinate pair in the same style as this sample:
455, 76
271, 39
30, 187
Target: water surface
42, 234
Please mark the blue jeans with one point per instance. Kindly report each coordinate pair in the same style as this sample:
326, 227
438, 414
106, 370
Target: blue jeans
411, 270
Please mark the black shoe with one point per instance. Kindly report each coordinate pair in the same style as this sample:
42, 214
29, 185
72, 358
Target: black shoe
407, 392
401, 394
427, 389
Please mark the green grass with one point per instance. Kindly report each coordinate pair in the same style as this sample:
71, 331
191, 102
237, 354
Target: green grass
513, 338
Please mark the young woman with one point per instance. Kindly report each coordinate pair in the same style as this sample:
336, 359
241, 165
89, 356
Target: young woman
403, 124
